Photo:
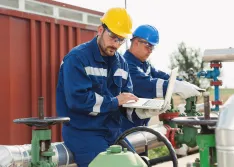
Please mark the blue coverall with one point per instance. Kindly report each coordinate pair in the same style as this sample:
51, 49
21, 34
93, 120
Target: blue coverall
147, 83
86, 92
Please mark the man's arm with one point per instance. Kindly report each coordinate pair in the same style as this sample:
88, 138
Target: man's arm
79, 93
146, 86
127, 87
159, 74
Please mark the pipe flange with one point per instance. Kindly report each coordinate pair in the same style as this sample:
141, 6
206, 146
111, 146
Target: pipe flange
168, 116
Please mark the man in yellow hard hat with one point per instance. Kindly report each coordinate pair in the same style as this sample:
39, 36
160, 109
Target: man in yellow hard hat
93, 82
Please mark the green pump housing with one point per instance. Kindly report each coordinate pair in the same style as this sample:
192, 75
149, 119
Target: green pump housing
114, 156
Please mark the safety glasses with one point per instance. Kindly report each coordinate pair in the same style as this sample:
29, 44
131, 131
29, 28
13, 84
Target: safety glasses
147, 44
113, 36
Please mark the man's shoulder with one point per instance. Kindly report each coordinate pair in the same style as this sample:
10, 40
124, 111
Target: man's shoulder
131, 59
81, 51
84, 48
125, 55
122, 59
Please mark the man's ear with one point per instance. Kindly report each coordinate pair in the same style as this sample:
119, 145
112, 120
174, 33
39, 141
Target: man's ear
135, 42
100, 30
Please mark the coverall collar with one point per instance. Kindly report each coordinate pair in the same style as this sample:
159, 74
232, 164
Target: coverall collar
133, 58
97, 53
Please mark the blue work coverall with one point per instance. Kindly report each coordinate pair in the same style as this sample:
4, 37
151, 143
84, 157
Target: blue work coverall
147, 83
86, 92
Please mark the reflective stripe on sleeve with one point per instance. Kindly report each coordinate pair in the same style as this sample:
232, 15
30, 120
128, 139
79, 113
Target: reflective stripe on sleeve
97, 106
121, 73
159, 88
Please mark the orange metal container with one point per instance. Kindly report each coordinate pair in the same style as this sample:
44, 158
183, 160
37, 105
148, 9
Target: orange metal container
31, 49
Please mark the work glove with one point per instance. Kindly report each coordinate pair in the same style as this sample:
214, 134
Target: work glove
148, 113
186, 89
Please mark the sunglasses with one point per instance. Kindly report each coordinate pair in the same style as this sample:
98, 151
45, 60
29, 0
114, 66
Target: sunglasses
147, 44
113, 36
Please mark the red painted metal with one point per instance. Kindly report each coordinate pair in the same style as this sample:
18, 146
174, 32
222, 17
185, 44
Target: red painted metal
170, 134
168, 116
172, 137
216, 64
168, 128
31, 49
217, 102
216, 83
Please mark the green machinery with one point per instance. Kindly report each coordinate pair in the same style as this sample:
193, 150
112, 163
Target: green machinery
191, 128
41, 151
199, 131
115, 156
183, 129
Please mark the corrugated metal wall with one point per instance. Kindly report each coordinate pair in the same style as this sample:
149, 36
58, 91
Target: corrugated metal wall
31, 49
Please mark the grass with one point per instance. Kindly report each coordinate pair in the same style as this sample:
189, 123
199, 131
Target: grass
158, 152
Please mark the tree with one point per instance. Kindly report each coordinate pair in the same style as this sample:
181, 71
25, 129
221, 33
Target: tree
189, 62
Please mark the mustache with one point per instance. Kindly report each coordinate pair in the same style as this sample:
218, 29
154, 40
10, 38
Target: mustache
112, 47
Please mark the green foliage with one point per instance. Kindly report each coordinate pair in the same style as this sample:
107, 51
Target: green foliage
158, 152
186, 59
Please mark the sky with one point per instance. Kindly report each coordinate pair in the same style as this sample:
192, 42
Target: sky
200, 24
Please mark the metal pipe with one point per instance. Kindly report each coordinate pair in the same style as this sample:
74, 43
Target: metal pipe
41, 107
18, 155
206, 105
140, 139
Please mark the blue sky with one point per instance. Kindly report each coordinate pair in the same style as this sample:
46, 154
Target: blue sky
200, 24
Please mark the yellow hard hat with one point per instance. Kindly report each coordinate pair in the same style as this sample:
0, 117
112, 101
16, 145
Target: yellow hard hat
118, 21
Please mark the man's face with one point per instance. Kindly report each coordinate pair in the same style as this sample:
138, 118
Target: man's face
108, 41
144, 49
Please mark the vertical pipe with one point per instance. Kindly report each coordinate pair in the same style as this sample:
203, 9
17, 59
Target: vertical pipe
204, 157
146, 150
216, 71
40, 107
206, 105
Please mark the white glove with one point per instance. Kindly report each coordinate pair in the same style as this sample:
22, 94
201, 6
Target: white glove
186, 89
197, 88
148, 113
